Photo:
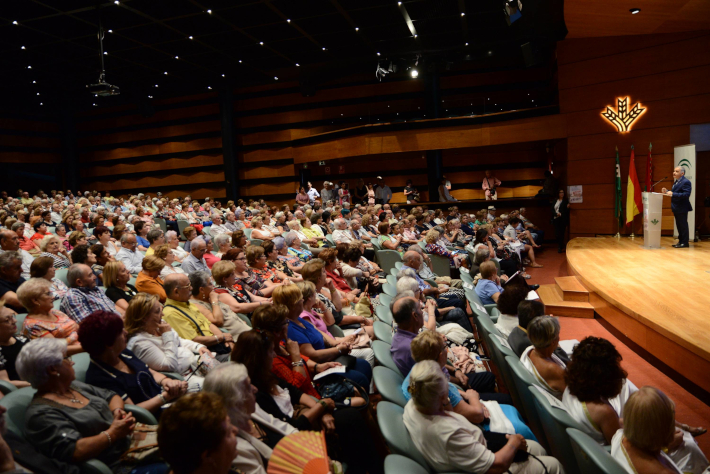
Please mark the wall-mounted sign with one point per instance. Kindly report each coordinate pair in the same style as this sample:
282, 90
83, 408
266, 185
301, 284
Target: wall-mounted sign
623, 118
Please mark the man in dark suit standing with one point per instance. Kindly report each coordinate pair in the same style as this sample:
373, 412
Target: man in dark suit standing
680, 205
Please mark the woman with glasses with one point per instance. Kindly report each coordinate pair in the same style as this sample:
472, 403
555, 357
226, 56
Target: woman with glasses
10, 346
42, 319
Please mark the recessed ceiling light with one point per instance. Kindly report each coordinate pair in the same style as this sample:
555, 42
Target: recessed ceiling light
288, 21
463, 14
41, 103
34, 82
177, 57
261, 43
22, 47
399, 3
323, 48
466, 44
95, 104
378, 54
190, 37
276, 78
240, 61
105, 53
209, 12
166, 73
357, 29
29, 67
155, 85
297, 64
38, 93
209, 87
635, 10
116, 2
110, 31
15, 22
223, 75
150, 96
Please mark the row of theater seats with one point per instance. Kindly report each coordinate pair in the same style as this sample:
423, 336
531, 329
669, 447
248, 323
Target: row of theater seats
560, 435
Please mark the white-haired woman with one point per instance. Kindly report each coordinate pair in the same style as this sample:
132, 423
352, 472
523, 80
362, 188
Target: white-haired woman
293, 242
224, 244
451, 443
67, 420
171, 238
258, 430
42, 319
52, 247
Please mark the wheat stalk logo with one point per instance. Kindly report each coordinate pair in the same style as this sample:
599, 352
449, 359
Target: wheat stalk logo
622, 118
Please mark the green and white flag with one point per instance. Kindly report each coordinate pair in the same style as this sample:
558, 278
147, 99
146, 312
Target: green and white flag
617, 208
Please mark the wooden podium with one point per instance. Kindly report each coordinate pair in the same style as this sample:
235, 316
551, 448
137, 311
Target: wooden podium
652, 218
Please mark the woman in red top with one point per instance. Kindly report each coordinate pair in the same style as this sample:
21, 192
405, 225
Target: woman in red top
289, 364
332, 270
40, 231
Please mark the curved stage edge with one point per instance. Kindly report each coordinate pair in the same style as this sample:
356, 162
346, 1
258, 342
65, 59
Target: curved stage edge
659, 299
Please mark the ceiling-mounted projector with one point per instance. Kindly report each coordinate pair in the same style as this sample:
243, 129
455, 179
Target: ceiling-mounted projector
103, 88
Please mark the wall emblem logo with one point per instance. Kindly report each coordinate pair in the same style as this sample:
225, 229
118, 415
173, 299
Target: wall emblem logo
623, 118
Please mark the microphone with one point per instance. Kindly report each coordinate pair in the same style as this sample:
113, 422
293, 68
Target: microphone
654, 184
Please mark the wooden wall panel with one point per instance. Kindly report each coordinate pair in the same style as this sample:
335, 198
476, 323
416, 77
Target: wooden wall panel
109, 169
151, 133
137, 119
269, 188
28, 141
156, 149
22, 157
469, 157
590, 147
151, 182
267, 154
29, 125
267, 172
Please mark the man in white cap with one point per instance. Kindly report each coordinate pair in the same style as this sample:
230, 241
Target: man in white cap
383, 193
491, 213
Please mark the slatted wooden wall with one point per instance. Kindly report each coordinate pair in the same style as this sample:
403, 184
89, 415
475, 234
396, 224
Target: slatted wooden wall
30, 153
176, 149
668, 74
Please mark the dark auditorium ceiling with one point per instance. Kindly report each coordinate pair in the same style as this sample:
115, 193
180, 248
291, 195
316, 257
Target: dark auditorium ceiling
53, 49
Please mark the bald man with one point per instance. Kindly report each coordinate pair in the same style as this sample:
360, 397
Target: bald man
680, 205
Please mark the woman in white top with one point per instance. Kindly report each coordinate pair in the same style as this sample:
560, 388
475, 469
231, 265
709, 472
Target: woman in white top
540, 360
451, 443
508, 302
168, 256
171, 238
649, 428
231, 381
153, 341
597, 393
258, 230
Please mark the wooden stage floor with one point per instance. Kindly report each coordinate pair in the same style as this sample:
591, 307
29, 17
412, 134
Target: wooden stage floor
660, 299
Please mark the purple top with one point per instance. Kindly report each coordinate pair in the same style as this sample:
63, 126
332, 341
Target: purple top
315, 320
401, 350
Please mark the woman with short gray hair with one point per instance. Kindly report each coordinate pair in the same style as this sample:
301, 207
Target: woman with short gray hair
71, 421
52, 247
540, 359
223, 242
451, 443
231, 382
293, 241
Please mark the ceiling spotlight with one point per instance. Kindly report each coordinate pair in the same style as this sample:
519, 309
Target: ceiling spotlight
223, 75
399, 3
177, 57
29, 67
463, 14
116, 2
323, 48
155, 85
110, 31
466, 44
416, 36
261, 43
240, 61
166, 73
209, 12
190, 37
95, 104
209, 87
288, 21
34, 82
378, 54
150, 96
105, 53
414, 73
276, 78
38, 93
41, 103
22, 47
297, 64
490, 53
635, 10
357, 29
15, 22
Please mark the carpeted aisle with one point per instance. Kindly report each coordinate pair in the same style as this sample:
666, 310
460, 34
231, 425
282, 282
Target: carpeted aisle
689, 409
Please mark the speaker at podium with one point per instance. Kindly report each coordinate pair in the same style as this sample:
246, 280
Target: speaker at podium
652, 218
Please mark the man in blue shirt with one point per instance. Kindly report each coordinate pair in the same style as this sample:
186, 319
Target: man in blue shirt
488, 288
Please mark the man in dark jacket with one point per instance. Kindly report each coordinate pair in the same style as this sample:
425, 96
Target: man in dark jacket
680, 205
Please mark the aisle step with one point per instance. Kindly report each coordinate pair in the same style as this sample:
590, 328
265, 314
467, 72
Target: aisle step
555, 305
571, 289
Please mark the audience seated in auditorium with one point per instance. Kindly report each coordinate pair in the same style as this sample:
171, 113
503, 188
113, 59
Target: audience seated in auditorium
206, 299
11, 343
128, 254
507, 304
43, 267
115, 368
189, 322
541, 358
155, 238
597, 392
118, 290
52, 247
164, 253
451, 443
149, 280
195, 261
101, 429
155, 343
518, 338
11, 279
9, 242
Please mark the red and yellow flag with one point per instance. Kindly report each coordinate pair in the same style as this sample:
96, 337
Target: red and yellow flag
634, 204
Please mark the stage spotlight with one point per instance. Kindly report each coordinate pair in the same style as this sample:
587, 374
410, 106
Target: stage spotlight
414, 73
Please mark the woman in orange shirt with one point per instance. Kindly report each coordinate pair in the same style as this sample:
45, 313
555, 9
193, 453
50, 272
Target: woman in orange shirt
149, 280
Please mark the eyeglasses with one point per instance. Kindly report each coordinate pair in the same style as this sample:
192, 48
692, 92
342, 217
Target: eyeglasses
184, 287
8, 319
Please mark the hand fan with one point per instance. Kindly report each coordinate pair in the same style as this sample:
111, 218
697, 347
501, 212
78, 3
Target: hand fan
300, 453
